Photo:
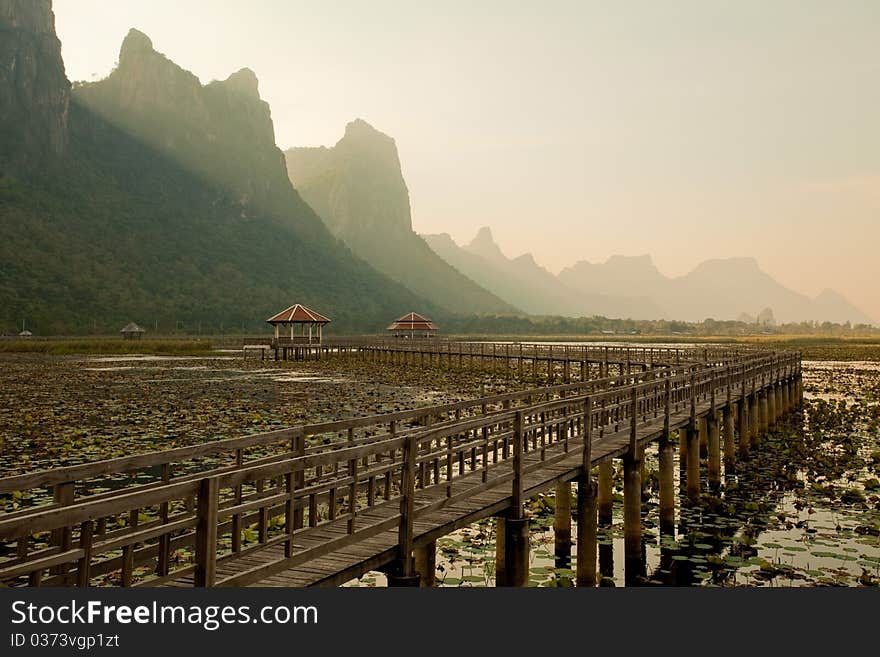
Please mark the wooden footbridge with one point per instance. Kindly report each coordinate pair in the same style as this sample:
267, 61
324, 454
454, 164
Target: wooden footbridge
321, 504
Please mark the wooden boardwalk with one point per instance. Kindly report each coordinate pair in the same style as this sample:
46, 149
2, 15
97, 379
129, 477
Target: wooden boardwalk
322, 504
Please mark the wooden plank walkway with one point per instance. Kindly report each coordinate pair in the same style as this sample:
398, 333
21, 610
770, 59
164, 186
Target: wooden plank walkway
369, 490
378, 551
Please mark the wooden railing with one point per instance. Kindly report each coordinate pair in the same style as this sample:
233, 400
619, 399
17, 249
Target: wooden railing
201, 507
644, 355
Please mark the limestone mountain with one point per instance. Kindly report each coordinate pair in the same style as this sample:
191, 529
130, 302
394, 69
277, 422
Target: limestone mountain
132, 219
716, 287
222, 130
618, 275
34, 91
358, 189
528, 285
728, 288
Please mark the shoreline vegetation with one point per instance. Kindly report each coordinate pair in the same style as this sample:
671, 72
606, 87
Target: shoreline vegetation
812, 347
106, 346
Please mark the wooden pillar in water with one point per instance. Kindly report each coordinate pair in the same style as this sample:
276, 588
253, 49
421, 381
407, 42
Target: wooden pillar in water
562, 520
744, 426
754, 419
765, 412
516, 526
729, 435
500, 570
692, 441
714, 451
587, 544
426, 563
771, 406
632, 517
704, 437
516, 551
682, 449
667, 485
605, 495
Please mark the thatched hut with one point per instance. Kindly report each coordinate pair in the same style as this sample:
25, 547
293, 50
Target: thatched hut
132, 331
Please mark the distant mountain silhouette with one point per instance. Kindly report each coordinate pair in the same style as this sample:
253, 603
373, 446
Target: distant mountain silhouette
720, 288
524, 283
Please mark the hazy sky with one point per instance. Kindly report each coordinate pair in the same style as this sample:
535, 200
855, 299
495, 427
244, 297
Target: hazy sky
576, 130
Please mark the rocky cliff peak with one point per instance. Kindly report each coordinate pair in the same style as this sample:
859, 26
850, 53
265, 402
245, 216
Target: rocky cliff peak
370, 147
34, 90
245, 82
356, 186
135, 44
484, 245
222, 130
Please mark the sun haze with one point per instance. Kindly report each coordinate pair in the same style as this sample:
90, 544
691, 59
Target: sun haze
576, 130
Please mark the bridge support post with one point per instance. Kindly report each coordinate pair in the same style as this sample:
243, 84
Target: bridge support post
765, 412
399, 580
777, 393
667, 486
771, 406
754, 420
693, 464
606, 499
500, 570
744, 427
729, 437
632, 517
714, 451
562, 521
786, 396
516, 552
682, 449
702, 429
587, 544
426, 563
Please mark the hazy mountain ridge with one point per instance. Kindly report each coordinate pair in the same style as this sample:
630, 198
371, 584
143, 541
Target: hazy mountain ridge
717, 288
523, 282
150, 196
129, 222
358, 189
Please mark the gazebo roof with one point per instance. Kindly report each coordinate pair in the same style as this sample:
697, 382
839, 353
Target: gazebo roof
131, 327
413, 322
298, 314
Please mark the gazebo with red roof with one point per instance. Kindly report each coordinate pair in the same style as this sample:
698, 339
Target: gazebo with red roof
290, 317
413, 323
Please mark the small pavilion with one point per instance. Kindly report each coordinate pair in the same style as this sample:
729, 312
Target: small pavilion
287, 320
413, 324
132, 331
